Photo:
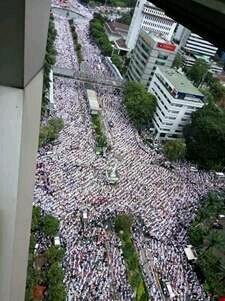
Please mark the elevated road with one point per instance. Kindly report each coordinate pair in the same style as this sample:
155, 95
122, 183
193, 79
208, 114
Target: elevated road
204, 17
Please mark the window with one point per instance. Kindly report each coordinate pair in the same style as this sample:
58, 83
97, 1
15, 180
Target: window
162, 56
159, 63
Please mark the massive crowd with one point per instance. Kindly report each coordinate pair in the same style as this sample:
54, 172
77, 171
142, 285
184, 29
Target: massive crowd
71, 181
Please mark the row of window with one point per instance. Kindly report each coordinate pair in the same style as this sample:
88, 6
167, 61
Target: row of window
169, 101
157, 26
166, 85
141, 52
141, 67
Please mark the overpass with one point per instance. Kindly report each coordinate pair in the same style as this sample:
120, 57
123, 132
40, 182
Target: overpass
204, 17
87, 77
66, 12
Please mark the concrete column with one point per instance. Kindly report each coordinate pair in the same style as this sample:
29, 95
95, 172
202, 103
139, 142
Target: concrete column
23, 35
19, 128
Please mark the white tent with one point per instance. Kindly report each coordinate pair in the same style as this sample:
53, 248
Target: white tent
57, 241
189, 253
93, 101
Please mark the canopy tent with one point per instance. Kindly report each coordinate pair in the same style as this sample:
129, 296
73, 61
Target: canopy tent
93, 101
189, 253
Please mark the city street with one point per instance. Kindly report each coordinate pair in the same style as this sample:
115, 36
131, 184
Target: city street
71, 179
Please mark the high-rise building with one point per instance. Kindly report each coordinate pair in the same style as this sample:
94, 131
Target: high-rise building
177, 99
194, 47
193, 43
150, 51
150, 18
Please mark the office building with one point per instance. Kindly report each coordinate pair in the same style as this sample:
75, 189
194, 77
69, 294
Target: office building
194, 47
151, 19
150, 51
177, 99
193, 43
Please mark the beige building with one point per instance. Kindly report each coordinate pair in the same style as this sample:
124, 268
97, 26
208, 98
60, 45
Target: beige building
150, 51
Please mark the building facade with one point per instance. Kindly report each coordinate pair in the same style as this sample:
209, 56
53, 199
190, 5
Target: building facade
177, 99
194, 47
193, 43
150, 51
150, 18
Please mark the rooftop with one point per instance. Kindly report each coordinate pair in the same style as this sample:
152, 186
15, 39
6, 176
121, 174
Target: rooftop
93, 101
116, 27
157, 37
121, 44
180, 81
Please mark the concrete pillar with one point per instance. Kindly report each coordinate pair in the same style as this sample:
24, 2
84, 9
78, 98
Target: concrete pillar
23, 35
19, 128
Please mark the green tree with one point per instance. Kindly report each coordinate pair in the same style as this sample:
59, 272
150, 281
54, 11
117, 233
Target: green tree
50, 59
51, 131
139, 104
214, 240
55, 254
174, 149
56, 292
50, 225
56, 123
205, 137
210, 243
36, 219
217, 90
197, 73
55, 274
126, 17
178, 62
196, 235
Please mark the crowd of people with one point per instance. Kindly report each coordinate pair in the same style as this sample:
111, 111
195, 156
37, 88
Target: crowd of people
71, 184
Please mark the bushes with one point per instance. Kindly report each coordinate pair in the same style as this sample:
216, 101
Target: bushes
50, 132
174, 149
98, 34
50, 59
77, 46
210, 242
100, 137
45, 268
122, 227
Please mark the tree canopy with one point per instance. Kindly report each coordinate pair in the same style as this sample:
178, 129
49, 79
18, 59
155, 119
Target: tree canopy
97, 31
50, 225
44, 266
50, 132
197, 73
126, 17
210, 243
50, 59
174, 149
205, 137
140, 105
178, 62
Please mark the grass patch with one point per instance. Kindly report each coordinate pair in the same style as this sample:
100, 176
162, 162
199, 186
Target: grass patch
123, 230
77, 45
99, 135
